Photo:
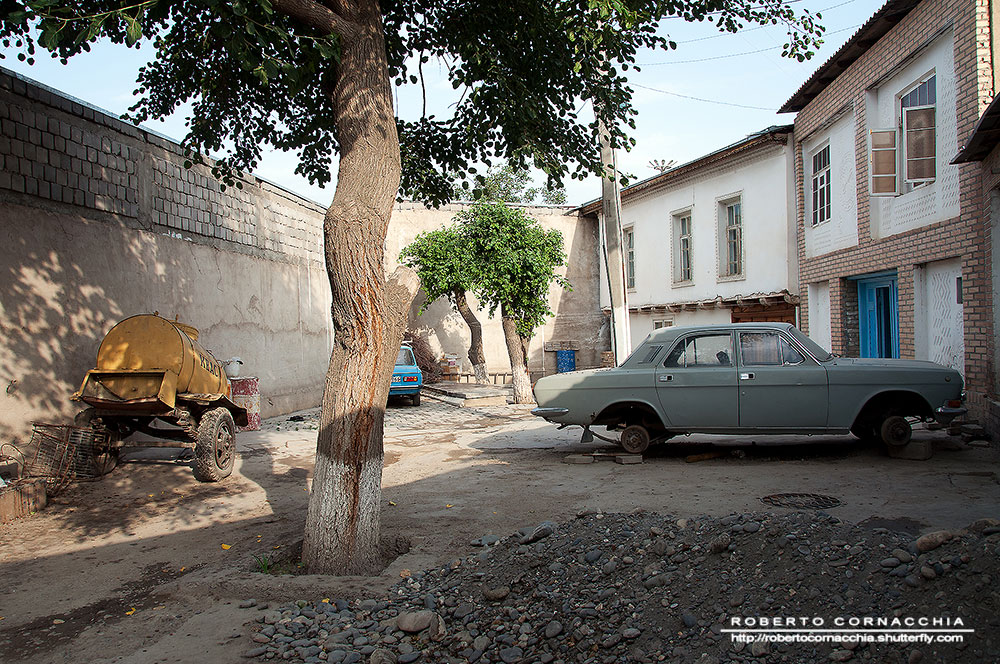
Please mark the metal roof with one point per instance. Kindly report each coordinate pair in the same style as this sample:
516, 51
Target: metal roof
891, 13
984, 137
753, 140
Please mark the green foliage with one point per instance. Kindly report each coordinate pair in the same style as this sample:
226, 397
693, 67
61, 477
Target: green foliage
441, 259
507, 184
525, 69
514, 262
264, 563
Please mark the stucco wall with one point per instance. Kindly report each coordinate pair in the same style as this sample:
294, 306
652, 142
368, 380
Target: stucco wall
841, 230
99, 220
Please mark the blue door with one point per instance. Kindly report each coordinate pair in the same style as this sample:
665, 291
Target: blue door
878, 309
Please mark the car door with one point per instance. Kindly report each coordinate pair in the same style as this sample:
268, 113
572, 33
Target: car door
780, 386
696, 383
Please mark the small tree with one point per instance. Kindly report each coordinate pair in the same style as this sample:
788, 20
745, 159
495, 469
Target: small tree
442, 261
509, 184
515, 261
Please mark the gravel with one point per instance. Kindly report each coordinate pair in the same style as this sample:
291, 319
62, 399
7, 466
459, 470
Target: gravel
646, 587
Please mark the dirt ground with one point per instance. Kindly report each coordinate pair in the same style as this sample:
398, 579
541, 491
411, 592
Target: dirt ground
148, 565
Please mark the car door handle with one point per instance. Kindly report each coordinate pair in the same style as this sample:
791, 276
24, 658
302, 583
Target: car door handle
666, 378
746, 376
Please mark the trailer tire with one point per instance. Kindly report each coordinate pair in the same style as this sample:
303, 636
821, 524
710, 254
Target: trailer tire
215, 446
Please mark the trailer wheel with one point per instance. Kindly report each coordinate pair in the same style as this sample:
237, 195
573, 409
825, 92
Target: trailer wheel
105, 455
215, 447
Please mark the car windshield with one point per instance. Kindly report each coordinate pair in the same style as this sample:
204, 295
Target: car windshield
814, 348
405, 358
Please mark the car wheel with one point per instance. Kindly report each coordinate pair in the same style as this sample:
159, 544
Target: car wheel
635, 439
415, 399
895, 431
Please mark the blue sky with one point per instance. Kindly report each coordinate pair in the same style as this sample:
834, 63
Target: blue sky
691, 101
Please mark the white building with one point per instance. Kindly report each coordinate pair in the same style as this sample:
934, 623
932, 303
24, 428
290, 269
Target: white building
711, 241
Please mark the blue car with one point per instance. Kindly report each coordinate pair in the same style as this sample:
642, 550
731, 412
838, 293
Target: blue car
406, 377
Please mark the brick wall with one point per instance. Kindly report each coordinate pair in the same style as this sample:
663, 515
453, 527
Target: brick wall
961, 236
61, 150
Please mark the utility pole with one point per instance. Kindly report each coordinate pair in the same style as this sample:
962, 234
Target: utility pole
612, 251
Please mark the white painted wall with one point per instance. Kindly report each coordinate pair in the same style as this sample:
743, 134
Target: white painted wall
939, 329
764, 184
841, 230
939, 200
642, 323
819, 314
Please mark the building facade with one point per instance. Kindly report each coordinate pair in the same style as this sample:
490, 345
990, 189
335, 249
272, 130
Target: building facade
711, 241
890, 234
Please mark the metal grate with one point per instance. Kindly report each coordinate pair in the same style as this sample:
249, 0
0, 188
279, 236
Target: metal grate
64, 453
801, 501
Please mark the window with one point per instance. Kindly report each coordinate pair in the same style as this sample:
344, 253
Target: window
767, 349
821, 186
910, 148
628, 238
662, 323
650, 354
682, 252
714, 350
731, 239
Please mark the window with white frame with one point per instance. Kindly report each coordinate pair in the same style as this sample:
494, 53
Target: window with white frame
821, 186
682, 247
661, 323
628, 242
731, 238
907, 154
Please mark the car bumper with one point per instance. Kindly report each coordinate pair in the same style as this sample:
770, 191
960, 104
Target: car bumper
945, 415
398, 391
549, 413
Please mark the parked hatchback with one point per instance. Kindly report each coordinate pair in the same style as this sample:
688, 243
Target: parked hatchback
750, 378
407, 379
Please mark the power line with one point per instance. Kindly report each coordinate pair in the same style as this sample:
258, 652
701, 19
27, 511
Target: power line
731, 55
707, 101
756, 27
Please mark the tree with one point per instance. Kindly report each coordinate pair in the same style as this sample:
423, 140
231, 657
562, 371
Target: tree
515, 261
442, 261
508, 184
315, 76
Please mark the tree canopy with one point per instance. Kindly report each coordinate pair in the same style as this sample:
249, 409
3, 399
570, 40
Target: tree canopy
514, 262
441, 258
507, 184
257, 72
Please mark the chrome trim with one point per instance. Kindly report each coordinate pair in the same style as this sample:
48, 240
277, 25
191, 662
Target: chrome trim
945, 415
546, 413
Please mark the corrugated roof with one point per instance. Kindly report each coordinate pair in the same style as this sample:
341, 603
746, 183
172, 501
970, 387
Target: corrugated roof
751, 141
891, 13
984, 137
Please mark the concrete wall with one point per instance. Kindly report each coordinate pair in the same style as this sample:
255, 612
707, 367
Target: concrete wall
100, 220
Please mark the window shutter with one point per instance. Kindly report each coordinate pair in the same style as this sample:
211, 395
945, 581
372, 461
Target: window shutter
883, 162
919, 147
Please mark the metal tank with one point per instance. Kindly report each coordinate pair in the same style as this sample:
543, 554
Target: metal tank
150, 368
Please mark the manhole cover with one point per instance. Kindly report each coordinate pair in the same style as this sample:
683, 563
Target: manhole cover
801, 501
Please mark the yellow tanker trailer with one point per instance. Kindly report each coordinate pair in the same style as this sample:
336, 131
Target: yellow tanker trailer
152, 371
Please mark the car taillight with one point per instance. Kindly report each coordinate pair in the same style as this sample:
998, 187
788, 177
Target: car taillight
409, 379
954, 403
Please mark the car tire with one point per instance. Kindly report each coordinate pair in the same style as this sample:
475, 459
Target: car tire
895, 431
634, 439
415, 399
215, 447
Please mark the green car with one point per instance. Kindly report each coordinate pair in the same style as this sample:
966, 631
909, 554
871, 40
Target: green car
749, 378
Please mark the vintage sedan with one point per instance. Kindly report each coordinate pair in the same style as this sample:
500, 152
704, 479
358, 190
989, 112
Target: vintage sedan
749, 378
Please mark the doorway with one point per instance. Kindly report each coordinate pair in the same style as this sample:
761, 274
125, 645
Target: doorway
878, 313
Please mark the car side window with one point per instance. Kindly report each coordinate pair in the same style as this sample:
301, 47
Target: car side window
763, 349
710, 350
650, 354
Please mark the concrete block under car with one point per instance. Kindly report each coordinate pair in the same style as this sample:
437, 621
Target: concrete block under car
628, 458
578, 458
915, 450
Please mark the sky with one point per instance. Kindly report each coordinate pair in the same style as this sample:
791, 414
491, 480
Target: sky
713, 90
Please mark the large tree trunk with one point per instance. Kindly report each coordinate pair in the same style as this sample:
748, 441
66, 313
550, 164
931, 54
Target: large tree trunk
517, 349
342, 524
476, 355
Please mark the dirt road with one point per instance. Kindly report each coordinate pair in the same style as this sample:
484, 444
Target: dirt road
148, 565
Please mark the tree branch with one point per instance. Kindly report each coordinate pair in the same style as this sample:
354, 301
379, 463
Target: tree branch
317, 16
